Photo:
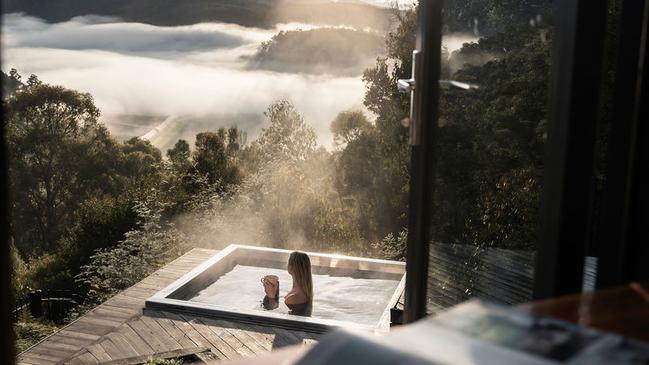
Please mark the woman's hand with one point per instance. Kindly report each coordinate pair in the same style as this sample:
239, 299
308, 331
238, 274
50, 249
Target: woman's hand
271, 286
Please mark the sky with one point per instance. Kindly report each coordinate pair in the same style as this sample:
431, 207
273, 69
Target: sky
196, 70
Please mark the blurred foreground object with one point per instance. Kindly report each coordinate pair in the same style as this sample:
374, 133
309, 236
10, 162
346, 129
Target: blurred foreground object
478, 332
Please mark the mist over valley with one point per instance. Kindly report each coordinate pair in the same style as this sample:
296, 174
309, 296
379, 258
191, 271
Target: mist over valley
205, 75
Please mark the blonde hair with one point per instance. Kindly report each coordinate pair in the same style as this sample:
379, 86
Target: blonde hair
301, 267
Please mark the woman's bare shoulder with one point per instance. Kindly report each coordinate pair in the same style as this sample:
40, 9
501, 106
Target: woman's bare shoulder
295, 297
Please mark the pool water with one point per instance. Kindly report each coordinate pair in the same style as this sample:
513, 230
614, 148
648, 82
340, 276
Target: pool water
340, 298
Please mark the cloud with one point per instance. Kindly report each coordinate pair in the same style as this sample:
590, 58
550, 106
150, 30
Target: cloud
102, 33
197, 70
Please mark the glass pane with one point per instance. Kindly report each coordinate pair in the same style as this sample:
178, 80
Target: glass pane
491, 135
135, 136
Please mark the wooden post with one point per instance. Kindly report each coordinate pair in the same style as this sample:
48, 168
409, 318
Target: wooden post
36, 303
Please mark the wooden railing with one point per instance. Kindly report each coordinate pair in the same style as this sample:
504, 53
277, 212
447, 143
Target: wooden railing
50, 304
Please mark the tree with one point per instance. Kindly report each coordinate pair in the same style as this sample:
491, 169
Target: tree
234, 140
140, 159
373, 169
287, 137
59, 155
213, 158
11, 83
141, 252
348, 126
492, 139
179, 155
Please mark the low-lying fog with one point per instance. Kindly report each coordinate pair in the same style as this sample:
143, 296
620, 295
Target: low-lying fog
196, 74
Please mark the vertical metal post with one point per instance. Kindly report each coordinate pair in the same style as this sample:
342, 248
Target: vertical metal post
574, 99
618, 233
426, 75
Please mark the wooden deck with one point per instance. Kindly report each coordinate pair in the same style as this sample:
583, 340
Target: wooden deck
119, 332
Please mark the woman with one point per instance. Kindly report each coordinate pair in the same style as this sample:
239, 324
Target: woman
300, 297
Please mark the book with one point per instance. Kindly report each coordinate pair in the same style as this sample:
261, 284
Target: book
480, 333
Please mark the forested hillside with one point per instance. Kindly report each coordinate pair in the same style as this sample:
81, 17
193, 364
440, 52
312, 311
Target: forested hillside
321, 50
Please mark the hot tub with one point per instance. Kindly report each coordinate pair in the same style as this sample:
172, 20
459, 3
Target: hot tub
348, 291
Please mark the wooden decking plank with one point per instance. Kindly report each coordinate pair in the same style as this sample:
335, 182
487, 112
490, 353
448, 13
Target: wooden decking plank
200, 340
160, 332
37, 359
87, 358
228, 338
243, 337
124, 310
172, 330
25, 360
51, 350
79, 335
163, 355
97, 320
286, 337
156, 284
108, 320
124, 301
148, 336
140, 346
75, 361
98, 352
115, 314
91, 328
125, 298
175, 268
184, 329
150, 286
140, 292
162, 275
73, 341
279, 339
113, 351
121, 308
213, 338
59, 346
251, 343
122, 344
262, 335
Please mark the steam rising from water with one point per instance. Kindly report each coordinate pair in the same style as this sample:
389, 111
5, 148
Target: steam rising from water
189, 71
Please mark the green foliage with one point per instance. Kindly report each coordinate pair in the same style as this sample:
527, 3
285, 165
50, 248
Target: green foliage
487, 185
73, 187
11, 83
287, 138
373, 168
57, 157
485, 17
142, 251
348, 126
49, 271
214, 157
320, 50
393, 247
18, 271
139, 158
29, 331
179, 154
